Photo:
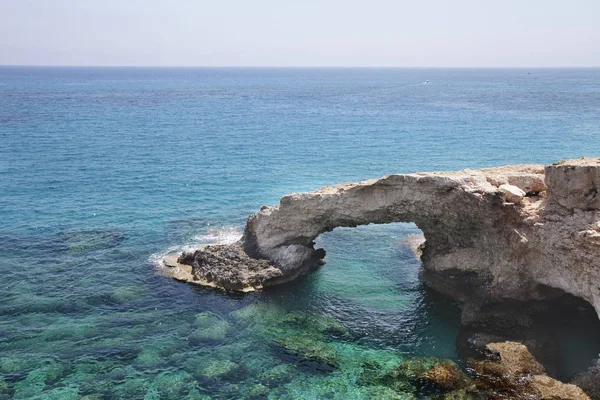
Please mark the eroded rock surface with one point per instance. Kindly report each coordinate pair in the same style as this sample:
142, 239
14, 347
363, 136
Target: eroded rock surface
506, 371
511, 372
223, 266
493, 234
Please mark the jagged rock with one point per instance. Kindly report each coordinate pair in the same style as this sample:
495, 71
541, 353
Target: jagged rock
415, 368
574, 184
551, 389
589, 381
508, 371
512, 372
514, 359
446, 376
512, 194
223, 266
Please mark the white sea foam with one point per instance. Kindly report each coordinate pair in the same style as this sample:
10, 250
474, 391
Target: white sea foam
221, 235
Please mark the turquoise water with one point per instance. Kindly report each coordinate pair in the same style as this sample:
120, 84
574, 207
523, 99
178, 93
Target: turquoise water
104, 170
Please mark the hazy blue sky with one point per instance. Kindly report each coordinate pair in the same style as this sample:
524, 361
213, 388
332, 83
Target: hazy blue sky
301, 33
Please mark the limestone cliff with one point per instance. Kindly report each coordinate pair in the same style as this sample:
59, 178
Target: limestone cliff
522, 232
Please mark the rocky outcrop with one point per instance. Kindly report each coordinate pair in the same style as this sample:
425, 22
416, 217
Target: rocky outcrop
523, 232
223, 266
507, 370
511, 372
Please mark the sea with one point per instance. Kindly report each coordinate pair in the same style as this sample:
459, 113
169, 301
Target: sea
103, 171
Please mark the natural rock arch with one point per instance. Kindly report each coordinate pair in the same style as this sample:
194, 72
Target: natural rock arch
497, 233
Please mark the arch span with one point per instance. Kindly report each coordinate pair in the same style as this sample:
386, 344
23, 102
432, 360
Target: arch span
448, 208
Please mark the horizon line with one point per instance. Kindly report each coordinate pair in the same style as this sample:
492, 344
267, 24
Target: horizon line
296, 66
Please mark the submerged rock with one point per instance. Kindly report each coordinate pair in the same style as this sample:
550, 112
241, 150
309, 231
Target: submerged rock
220, 368
82, 241
470, 393
385, 393
148, 359
210, 327
258, 391
278, 375
32, 385
171, 385
309, 352
11, 364
424, 375
321, 323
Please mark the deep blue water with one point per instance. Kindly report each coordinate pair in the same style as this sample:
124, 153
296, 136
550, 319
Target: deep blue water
103, 170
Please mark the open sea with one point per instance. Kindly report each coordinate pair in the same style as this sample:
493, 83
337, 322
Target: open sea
105, 170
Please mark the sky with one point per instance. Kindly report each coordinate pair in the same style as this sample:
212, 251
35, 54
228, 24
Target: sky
366, 33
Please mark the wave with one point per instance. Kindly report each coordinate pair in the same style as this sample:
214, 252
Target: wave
221, 235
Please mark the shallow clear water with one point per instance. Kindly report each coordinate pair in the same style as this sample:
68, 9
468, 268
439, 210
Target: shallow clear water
103, 170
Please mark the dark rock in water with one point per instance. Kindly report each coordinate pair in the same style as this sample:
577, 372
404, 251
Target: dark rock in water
424, 376
121, 353
515, 374
447, 376
83, 241
320, 323
187, 258
308, 352
372, 371
508, 371
210, 328
589, 381
5, 391
227, 267
258, 391
278, 375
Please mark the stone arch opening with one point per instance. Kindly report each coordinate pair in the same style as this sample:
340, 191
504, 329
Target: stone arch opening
375, 269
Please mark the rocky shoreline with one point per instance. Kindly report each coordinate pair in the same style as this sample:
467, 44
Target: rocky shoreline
524, 232
509, 243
